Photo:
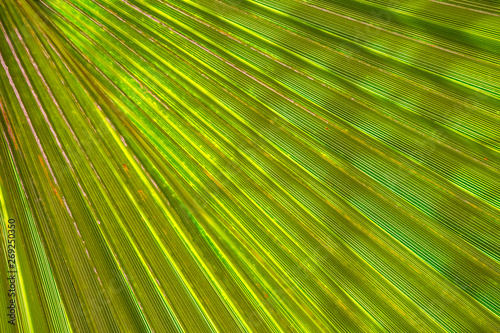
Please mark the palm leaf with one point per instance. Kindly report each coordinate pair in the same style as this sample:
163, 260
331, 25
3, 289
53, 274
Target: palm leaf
251, 166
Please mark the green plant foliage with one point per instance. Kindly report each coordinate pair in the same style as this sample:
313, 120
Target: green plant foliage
250, 165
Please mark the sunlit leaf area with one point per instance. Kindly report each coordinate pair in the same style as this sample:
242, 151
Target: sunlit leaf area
250, 166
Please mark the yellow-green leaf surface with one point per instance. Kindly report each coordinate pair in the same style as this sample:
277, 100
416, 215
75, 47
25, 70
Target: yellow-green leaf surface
250, 165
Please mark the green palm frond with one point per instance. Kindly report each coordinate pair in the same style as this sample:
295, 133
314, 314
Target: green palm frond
250, 166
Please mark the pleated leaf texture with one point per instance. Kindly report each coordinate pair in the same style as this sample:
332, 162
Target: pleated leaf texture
250, 166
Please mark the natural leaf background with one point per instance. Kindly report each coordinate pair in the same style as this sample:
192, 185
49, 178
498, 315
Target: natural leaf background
251, 165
